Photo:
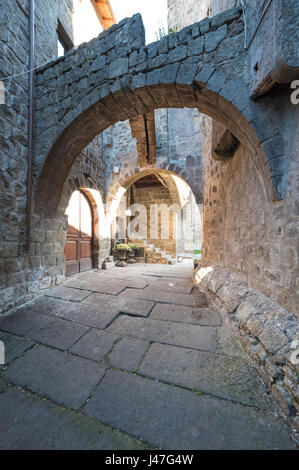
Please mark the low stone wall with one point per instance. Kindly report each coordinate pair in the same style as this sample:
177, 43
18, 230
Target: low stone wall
268, 331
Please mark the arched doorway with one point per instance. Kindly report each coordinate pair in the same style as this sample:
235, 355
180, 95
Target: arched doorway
155, 209
79, 241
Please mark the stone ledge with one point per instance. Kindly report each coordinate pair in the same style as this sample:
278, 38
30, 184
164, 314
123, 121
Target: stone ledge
267, 330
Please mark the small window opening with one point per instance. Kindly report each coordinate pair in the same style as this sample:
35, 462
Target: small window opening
64, 43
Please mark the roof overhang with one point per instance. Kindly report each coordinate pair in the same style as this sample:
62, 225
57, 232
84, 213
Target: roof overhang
104, 12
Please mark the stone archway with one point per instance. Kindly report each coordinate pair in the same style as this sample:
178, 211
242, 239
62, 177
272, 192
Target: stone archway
179, 226
127, 178
97, 85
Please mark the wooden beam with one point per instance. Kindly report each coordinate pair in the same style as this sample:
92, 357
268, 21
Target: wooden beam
104, 12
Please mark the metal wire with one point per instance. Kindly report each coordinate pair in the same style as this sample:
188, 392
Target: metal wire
243, 4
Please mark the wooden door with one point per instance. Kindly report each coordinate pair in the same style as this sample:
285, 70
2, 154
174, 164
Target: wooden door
78, 247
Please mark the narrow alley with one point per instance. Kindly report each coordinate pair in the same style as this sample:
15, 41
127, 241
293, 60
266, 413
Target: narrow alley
137, 355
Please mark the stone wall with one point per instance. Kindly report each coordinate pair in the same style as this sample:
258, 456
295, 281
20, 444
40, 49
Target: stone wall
21, 274
178, 142
242, 230
182, 14
119, 150
267, 330
158, 195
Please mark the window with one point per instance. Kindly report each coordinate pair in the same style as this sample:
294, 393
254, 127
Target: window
64, 43
60, 47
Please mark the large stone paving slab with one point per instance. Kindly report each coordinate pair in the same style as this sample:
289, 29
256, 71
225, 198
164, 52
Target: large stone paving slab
43, 328
181, 282
172, 418
128, 353
179, 313
14, 346
106, 302
88, 276
68, 293
83, 313
215, 374
29, 423
172, 287
94, 345
151, 293
65, 379
179, 334
141, 308
136, 283
102, 285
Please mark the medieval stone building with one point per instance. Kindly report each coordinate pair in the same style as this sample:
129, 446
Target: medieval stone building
202, 122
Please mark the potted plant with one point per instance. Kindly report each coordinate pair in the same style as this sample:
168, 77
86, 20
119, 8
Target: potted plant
123, 249
134, 248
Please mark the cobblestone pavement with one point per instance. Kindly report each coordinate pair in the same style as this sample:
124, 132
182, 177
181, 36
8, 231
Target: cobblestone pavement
130, 358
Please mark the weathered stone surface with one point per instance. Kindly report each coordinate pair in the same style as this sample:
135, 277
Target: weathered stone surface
182, 314
267, 332
195, 47
213, 38
224, 17
149, 293
42, 425
174, 287
3, 385
273, 338
128, 353
107, 303
68, 293
216, 374
102, 285
244, 311
136, 283
94, 345
14, 346
43, 329
66, 379
97, 316
143, 407
192, 336
118, 67
139, 308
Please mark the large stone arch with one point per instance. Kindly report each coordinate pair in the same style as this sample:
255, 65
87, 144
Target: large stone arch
103, 82
131, 175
